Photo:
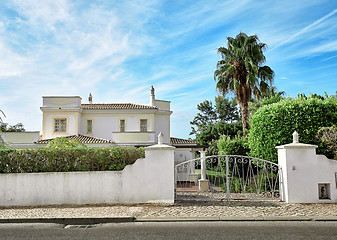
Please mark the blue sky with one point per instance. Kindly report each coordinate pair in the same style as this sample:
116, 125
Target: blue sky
117, 49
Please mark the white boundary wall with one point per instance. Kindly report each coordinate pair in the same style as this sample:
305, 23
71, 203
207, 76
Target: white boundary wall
304, 173
148, 180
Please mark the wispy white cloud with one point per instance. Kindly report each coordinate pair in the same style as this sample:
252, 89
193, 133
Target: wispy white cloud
304, 30
44, 13
326, 59
11, 63
118, 49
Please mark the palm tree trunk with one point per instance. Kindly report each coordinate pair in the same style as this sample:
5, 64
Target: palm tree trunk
244, 112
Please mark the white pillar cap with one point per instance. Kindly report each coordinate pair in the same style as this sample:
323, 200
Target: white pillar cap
295, 137
160, 138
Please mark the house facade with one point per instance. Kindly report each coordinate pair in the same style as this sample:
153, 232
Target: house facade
104, 125
122, 123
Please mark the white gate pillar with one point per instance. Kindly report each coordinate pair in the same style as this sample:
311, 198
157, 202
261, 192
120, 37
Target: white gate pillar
203, 182
298, 169
159, 180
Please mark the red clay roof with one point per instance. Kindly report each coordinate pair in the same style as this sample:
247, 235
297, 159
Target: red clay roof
108, 106
174, 140
79, 137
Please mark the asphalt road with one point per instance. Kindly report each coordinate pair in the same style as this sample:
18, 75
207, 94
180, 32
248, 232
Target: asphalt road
177, 230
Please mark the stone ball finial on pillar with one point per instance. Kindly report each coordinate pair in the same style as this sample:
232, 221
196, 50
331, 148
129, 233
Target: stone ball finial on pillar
160, 138
295, 137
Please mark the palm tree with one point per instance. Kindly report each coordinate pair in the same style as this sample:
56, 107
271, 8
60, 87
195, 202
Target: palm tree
2, 114
2, 142
241, 72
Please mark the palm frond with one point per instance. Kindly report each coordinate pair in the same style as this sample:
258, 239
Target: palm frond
2, 114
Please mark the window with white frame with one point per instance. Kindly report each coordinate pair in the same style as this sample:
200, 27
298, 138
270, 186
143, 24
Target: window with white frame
60, 125
143, 125
89, 126
122, 125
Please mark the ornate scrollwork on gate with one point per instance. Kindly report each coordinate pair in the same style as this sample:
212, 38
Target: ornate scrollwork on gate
229, 177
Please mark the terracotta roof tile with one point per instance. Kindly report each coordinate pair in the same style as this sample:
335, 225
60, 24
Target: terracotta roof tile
109, 106
174, 140
79, 137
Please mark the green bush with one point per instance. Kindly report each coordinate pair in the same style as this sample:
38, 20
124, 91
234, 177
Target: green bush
328, 137
274, 124
66, 160
63, 143
236, 146
212, 148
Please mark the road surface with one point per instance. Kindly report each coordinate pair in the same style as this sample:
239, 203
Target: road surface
174, 230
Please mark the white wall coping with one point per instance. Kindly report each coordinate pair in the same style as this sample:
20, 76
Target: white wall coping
296, 145
61, 97
160, 147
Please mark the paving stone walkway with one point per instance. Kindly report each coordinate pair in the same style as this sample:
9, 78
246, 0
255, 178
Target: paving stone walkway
181, 209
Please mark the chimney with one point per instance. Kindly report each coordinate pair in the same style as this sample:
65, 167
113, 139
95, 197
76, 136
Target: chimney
90, 98
152, 96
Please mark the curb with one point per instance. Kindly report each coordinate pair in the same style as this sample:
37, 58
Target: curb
236, 219
93, 221
69, 221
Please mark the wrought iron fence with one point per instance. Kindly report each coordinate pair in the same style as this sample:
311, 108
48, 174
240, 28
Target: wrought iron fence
227, 177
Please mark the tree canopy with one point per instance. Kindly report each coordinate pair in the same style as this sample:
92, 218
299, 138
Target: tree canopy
214, 120
241, 71
224, 110
4, 127
1, 121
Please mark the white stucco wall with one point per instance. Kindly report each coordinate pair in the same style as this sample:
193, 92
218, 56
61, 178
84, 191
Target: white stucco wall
162, 124
148, 180
105, 125
21, 140
183, 154
303, 171
67, 102
106, 121
48, 125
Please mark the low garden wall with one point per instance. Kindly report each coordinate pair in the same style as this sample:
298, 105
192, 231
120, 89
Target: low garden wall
148, 180
306, 177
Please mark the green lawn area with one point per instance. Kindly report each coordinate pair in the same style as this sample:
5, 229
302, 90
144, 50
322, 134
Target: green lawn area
216, 178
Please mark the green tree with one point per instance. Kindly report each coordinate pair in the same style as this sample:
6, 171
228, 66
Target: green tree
241, 72
4, 127
269, 97
1, 121
3, 145
222, 118
224, 110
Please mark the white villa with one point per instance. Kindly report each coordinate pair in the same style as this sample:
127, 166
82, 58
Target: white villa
104, 124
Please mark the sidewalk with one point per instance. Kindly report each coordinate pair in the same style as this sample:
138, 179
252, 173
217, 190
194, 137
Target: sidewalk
180, 211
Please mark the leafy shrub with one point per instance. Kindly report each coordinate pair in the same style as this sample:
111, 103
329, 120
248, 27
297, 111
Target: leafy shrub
64, 143
328, 136
273, 124
212, 148
66, 160
236, 146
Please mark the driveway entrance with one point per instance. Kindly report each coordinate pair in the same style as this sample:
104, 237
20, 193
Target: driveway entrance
226, 177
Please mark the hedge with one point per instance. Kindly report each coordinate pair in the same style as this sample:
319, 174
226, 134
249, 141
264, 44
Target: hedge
66, 160
273, 125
